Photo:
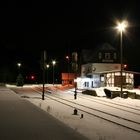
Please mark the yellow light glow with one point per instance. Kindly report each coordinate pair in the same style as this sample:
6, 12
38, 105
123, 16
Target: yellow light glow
121, 26
67, 57
53, 62
47, 65
19, 64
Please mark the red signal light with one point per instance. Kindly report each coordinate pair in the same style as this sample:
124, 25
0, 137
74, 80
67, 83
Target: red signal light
32, 77
125, 66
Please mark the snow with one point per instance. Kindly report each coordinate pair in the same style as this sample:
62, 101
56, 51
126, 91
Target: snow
92, 127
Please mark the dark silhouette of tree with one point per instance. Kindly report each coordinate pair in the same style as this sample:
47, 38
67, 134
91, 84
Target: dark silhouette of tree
20, 80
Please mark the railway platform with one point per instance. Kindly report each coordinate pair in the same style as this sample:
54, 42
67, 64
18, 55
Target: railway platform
21, 120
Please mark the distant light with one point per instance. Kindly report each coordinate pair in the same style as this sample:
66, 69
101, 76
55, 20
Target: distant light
53, 62
125, 66
19, 64
67, 57
47, 66
32, 77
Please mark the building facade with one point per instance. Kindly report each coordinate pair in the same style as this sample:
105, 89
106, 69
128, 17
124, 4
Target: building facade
101, 67
106, 78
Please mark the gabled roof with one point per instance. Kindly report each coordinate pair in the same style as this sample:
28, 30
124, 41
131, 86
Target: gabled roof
107, 46
91, 55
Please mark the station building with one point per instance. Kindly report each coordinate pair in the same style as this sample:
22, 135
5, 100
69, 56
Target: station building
101, 67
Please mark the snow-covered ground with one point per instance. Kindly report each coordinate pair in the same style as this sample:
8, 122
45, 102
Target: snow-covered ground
91, 126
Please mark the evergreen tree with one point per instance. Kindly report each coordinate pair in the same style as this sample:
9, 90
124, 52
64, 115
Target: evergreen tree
20, 80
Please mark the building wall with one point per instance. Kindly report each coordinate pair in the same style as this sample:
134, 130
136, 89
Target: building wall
110, 79
104, 53
114, 79
68, 78
91, 68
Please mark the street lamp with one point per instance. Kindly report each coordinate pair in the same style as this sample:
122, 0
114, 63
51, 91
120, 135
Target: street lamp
68, 59
19, 65
43, 63
121, 27
53, 63
19, 79
47, 66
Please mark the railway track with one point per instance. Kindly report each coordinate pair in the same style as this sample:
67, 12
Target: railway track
125, 108
116, 119
118, 103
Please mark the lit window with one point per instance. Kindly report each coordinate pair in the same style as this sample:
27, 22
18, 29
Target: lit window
102, 79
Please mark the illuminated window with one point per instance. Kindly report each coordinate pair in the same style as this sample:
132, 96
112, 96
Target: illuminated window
102, 79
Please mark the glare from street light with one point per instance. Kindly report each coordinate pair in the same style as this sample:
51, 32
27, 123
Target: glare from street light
53, 62
47, 66
121, 26
67, 57
19, 65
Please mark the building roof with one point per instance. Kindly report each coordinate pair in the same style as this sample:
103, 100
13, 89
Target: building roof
91, 55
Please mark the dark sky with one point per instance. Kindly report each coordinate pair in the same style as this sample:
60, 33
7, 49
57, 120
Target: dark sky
59, 27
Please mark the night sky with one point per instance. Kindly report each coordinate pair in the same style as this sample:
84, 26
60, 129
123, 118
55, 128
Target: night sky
61, 27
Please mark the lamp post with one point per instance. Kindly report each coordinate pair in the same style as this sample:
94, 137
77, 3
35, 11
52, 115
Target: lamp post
19, 66
20, 79
67, 57
75, 69
44, 60
47, 66
121, 26
53, 63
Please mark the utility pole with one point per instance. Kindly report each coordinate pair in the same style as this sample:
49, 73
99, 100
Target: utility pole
68, 61
75, 68
44, 66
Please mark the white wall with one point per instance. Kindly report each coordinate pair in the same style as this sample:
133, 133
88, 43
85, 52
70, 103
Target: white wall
98, 67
